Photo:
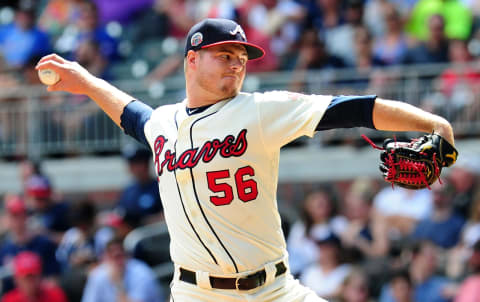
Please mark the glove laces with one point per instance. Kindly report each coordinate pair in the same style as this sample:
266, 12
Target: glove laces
400, 169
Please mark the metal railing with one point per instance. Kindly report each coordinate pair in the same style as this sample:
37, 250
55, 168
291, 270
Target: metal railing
35, 123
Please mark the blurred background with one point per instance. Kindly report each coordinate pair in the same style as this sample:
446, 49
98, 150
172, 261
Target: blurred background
80, 207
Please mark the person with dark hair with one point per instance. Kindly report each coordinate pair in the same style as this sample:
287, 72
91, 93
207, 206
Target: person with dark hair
422, 270
120, 278
434, 49
49, 215
318, 215
141, 197
327, 275
443, 226
402, 287
77, 247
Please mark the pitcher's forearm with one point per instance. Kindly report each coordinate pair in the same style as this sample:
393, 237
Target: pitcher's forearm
109, 98
398, 116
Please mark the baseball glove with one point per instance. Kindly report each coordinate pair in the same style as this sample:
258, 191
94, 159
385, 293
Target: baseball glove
416, 164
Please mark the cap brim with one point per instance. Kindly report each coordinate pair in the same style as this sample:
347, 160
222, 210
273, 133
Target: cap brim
254, 52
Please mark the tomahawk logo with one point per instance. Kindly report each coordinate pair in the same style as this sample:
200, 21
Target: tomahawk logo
237, 30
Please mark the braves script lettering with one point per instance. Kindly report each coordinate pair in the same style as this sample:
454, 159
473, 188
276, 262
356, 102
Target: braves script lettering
230, 146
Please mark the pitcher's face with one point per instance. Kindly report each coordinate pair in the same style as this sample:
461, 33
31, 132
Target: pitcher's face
221, 69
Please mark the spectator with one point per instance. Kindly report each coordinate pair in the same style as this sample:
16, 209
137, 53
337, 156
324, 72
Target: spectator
141, 197
49, 216
434, 49
469, 289
458, 256
87, 28
76, 252
443, 226
427, 286
31, 287
77, 247
325, 15
22, 40
355, 288
471, 231
401, 285
363, 233
311, 55
327, 275
365, 62
402, 209
149, 24
181, 15
374, 17
120, 278
29, 168
59, 14
264, 23
391, 48
318, 215
20, 238
463, 177
459, 85
89, 55
116, 223
340, 40
458, 19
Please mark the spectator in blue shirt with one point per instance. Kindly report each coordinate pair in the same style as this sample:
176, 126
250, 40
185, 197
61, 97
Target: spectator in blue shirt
120, 278
443, 227
22, 40
427, 286
140, 198
87, 28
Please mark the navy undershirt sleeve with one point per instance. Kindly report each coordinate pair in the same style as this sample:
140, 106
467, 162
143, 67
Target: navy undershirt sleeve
347, 112
133, 119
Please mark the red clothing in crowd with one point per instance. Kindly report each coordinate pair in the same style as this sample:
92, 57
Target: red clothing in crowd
48, 293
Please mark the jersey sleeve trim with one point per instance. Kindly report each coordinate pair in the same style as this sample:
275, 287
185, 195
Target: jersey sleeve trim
133, 119
347, 112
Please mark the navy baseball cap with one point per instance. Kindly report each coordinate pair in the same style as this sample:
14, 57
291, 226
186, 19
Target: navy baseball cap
212, 32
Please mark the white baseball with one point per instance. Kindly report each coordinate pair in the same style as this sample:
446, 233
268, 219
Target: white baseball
48, 76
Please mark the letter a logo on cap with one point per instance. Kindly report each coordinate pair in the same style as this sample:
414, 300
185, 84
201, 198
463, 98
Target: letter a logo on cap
237, 30
196, 39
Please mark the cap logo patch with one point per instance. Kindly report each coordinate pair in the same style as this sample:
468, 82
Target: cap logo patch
196, 39
237, 30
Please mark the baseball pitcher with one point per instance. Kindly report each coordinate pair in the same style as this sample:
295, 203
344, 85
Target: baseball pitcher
216, 156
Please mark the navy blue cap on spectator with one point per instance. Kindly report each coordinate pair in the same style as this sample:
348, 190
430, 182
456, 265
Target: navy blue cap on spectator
137, 154
325, 236
26, 6
212, 32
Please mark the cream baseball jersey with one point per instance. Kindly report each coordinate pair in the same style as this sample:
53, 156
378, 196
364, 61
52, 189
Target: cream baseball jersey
217, 173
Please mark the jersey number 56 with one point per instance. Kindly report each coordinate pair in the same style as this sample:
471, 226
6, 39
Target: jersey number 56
246, 188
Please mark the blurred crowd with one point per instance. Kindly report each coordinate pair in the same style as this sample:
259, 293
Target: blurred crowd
54, 248
355, 240
372, 41
352, 241
362, 240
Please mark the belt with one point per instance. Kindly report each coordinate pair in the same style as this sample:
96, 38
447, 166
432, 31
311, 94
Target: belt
244, 283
